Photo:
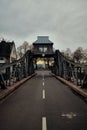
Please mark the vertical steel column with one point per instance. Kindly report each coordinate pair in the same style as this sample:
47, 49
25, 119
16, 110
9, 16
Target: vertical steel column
80, 76
77, 76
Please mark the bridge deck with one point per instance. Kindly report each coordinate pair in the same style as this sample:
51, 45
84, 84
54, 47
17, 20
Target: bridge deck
43, 103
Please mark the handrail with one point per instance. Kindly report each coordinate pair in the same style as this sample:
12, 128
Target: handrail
70, 70
17, 70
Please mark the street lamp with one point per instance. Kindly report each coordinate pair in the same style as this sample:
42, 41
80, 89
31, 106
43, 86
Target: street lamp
43, 55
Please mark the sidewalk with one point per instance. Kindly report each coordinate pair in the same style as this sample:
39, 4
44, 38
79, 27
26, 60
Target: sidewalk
78, 89
10, 89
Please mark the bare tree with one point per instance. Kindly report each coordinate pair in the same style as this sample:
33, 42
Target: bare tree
21, 50
67, 53
78, 54
85, 55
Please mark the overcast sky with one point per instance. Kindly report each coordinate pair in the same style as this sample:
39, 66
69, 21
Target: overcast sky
64, 21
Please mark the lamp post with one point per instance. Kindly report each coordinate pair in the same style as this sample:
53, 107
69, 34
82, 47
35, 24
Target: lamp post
43, 55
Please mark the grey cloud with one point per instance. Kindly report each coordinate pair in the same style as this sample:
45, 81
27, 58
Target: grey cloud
66, 20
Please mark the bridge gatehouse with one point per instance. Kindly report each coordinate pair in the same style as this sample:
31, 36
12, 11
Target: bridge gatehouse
43, 49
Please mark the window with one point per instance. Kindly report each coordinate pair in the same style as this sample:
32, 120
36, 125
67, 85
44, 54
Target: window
45, 49
41, 49
1, 58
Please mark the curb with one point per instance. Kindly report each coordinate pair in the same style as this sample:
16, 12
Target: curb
77, 89
12, 88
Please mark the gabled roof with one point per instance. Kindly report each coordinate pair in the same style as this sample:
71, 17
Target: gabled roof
42, 40
5, 48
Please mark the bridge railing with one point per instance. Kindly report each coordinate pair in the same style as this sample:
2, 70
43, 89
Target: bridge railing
10, 73
69, 70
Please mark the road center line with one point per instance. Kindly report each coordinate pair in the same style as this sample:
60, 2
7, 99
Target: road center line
43, 76
43, 83
43, 94
44, 124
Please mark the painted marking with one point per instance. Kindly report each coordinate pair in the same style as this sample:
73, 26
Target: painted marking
44, 123
43, 83
43, 76
43, 94
69, 115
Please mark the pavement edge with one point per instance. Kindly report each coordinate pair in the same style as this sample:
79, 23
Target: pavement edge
12, 88
76, 88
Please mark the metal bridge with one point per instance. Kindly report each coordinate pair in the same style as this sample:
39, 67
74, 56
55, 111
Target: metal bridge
63, 67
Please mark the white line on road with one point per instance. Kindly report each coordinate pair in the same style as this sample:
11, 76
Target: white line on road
44, 124
43, 76
43, 94
43, 83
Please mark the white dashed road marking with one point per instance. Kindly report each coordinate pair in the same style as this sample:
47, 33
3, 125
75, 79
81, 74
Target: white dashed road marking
43, 92
43, 76
43, 83
44, 124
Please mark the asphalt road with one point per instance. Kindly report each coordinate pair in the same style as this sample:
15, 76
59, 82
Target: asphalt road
43, 103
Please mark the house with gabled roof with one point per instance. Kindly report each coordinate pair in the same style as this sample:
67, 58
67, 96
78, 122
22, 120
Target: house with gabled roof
7, 52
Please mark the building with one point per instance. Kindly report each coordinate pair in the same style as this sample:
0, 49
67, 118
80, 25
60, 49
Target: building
43, 47
7, 52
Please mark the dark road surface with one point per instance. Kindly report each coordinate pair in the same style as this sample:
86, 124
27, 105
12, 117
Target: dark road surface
43, 103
